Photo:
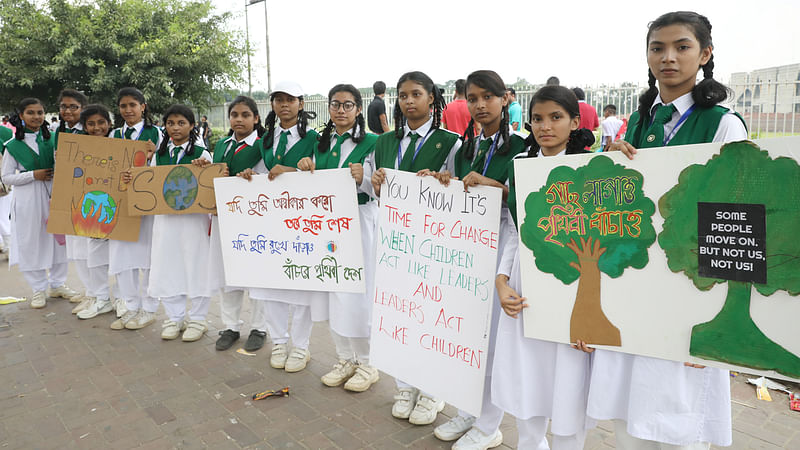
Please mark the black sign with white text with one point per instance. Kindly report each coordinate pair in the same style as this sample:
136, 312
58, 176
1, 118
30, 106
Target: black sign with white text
731, 241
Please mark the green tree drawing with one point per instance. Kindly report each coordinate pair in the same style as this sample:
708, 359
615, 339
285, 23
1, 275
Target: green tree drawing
741, 173
603, 206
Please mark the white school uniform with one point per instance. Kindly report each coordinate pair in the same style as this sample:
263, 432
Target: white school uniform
130, 261
33, 249
232, 296
180, 245
5, 217
534, 379
78, 246
307, 306
662, 400
370, 167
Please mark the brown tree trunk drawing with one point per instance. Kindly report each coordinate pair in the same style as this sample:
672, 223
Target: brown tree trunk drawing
588, 322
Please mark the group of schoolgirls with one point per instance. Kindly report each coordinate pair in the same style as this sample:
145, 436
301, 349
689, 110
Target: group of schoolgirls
654, 404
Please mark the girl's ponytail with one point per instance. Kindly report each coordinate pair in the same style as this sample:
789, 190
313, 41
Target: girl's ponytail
709, 91
578, 140
325, 137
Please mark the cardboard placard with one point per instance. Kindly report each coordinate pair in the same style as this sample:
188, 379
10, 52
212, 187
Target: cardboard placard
89, 198
687, 253
299, 231
179, 189
435, 262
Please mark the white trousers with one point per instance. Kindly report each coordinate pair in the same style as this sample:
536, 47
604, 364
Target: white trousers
231, 310
98, 282
278, 323
132, 285
82, 268
351, 349
532, 435
627, 442
491, 415
175, 307
38, 280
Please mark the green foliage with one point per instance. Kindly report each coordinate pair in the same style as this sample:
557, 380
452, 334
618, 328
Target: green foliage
741, 173
603, 201
174, 51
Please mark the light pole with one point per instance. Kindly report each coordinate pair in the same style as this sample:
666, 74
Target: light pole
247, 33
266, 28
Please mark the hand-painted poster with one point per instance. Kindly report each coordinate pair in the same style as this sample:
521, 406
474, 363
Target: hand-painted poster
436, 258
686, 253
180, 189
88, 196
300, 231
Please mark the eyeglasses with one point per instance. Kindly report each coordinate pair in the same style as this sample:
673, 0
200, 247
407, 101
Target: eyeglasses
69, 107
348, 105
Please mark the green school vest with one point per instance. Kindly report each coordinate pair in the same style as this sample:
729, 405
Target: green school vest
498, 167
699, 128
5, 135
28, 158
149, 133
187, 158
245, 158
432, 154
68, 130
304, 147
325, 160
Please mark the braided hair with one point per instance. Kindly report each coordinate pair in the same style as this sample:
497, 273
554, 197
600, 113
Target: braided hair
185, 111
139, 96
438, 105
491, 81
16, 119
578, 139
359, 130
303, 117
707, 92
250, 103
75, 95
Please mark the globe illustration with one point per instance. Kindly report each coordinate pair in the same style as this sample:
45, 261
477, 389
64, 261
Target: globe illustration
99, 206
180, 188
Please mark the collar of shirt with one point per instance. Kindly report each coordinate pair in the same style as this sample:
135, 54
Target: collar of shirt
77, 127
138, 128
421, 131
541, 155
30, 140
171, 147
293, 136
682, 103
335, 136
249, 140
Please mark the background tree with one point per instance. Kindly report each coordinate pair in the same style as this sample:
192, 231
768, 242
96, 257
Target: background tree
744, 174
174, 51
603, 206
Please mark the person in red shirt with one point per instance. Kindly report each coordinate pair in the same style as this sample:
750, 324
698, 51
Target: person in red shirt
456, 115
589, 119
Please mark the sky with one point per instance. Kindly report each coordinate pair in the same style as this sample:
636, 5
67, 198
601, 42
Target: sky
321, 43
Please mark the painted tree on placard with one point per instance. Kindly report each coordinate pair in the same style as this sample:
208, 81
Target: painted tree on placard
740, 174
585, 221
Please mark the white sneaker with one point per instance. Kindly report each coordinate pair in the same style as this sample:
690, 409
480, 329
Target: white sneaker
120, 323
364, 377
142, 319
425, 411
278, 358
85, 302
120, 307
342, 371
404, 402
62, 291
297, 360
96, 308
77, 298
195, 329
171, 330
476, 440
38, 300
454, 428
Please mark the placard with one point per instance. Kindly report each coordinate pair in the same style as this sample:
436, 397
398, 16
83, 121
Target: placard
89, 199
299, 231
436, 258
178, 189
709, 276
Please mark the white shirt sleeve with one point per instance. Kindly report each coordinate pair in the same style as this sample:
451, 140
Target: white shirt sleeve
450, 162
730, 129
509, 249
608, 128
9, 171
260, 168
366, 181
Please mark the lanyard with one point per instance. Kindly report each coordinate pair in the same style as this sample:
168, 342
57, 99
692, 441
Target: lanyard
491, 153
419, 146
682, 119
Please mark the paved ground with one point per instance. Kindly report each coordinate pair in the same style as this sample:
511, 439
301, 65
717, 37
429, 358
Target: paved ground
68, 383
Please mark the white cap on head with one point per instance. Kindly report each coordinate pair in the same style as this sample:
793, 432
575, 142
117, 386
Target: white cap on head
289, 87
